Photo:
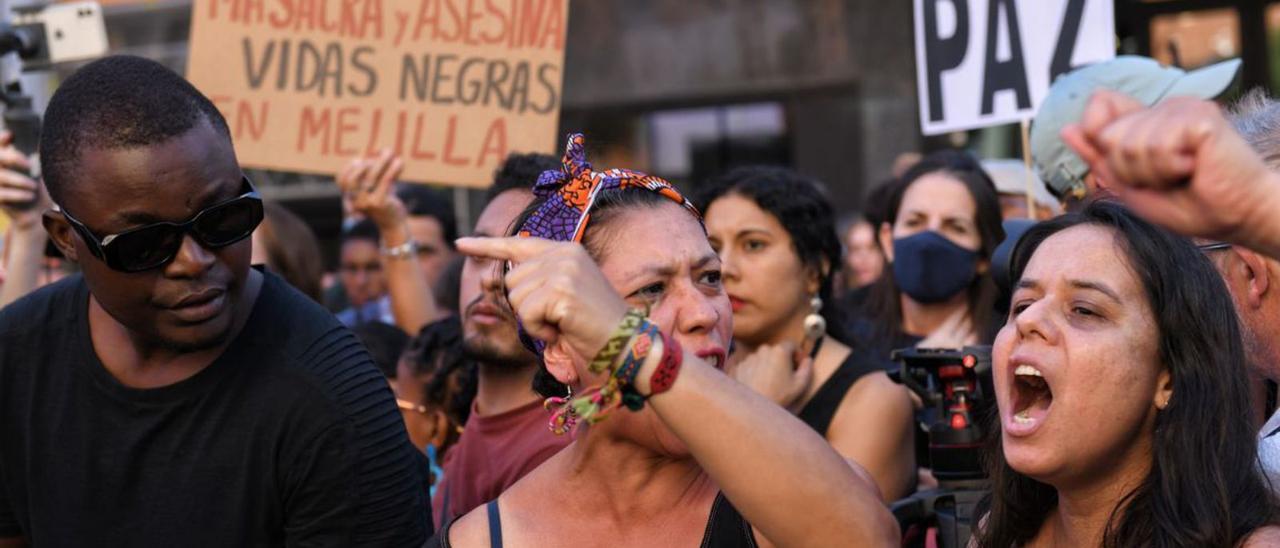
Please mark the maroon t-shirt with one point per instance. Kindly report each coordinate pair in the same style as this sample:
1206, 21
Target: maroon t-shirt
492, 454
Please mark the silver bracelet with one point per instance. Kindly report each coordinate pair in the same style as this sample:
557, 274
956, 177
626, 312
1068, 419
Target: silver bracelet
402, 251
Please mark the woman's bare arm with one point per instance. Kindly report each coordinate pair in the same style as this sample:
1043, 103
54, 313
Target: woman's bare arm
784, 478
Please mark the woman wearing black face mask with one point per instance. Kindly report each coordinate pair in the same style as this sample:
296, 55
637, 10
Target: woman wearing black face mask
942, 224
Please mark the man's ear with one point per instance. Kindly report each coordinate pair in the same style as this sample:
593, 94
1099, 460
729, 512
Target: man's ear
61, 233
1257, 273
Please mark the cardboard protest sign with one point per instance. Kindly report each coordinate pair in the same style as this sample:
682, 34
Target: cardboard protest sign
988, 62
452, 85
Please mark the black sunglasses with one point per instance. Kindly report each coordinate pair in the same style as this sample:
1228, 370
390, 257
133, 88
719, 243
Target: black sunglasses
155, 245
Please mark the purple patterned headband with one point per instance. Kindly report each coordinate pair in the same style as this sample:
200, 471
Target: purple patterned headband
571, 191
569, 194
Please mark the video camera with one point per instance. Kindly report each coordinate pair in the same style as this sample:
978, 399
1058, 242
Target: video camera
43, 35
955, 386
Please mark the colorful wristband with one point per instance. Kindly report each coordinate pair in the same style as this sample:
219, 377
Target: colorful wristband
637, 353
669, 368
622, 335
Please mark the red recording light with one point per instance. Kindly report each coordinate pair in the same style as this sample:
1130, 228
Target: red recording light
969, 361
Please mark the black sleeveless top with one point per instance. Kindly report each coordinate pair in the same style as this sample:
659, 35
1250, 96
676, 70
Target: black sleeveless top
725, 528
822, 407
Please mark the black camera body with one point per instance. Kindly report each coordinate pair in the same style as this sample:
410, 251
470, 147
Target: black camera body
955, 385
956, 388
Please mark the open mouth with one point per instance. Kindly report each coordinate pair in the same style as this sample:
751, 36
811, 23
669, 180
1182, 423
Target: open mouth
1031, 397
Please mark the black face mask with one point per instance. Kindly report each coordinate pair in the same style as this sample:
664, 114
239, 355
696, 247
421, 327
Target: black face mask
930, 268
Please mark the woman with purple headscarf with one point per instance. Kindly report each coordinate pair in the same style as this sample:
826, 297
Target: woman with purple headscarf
614, 278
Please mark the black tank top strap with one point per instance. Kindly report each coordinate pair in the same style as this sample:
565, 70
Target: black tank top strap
495, 524
726, 528
822, 407
441, 538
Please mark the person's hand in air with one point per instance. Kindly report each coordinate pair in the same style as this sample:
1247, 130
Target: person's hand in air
368, 186
1180, 164
22, 198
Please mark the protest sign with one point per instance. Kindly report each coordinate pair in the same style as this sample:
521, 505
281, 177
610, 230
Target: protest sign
451, 85
988, 62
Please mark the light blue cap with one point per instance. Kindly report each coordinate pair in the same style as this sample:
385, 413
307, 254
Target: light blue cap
1142, 78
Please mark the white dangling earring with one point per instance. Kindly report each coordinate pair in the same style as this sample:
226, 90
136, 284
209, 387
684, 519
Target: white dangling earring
815, 326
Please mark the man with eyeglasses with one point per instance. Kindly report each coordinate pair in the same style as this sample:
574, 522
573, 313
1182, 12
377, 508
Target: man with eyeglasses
171, 394
1254, 282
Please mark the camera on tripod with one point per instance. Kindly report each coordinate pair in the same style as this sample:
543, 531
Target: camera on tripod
955, 386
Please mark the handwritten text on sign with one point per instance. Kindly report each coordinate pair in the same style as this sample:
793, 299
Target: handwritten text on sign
988, 62
451, 85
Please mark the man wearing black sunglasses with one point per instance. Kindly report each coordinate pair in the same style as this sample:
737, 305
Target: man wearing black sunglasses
171, 394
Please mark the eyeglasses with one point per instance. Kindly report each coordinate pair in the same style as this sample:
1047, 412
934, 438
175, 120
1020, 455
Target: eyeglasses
1216, 246
155, 245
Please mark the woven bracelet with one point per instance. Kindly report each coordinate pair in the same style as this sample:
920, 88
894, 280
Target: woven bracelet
622, 335
633, 360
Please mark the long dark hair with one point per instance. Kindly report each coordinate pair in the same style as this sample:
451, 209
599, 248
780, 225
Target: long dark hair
606, 208
801, 206
884, 305
1204, 487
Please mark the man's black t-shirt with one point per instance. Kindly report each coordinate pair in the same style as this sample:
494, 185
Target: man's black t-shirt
291, 437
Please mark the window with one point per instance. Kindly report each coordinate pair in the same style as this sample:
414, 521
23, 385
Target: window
1193, 39
692, 144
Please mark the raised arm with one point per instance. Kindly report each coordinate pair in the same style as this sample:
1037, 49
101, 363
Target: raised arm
370, 185
872, 425
1181, 165
782, 476
24, 201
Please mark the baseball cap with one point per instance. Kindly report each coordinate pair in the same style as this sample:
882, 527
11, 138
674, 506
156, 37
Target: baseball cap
1142, 78
1010, 177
